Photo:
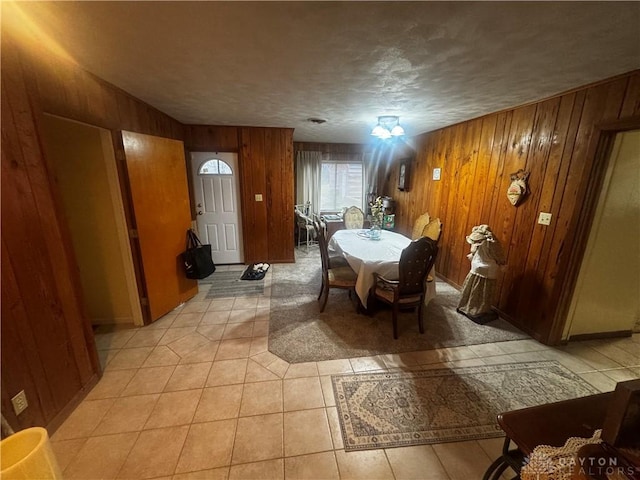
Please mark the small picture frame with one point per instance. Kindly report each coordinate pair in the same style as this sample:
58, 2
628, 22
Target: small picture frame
403, 175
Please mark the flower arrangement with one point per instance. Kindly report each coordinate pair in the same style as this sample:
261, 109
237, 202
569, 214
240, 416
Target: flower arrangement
377, 212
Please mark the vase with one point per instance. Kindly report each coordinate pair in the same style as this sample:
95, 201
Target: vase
375, 232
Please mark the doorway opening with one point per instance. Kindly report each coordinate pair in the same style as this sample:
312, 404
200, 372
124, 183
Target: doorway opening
83, 162
605, 298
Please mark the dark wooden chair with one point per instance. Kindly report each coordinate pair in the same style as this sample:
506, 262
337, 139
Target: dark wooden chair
334, 260
416, 261
332, 276
550, 424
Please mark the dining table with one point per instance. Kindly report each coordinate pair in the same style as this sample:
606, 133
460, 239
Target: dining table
368, 254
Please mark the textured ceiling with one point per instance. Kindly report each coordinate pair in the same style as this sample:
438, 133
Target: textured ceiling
278, 63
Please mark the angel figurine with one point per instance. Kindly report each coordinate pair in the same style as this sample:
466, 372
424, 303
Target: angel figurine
479, 286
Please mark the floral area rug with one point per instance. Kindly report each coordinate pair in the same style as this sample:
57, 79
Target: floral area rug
298, 332
394, 409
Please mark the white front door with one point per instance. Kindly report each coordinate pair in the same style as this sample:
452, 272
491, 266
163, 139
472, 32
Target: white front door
215, 187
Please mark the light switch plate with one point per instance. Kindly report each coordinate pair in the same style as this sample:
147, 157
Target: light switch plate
19, 402
258, 197
544, 218
436, 173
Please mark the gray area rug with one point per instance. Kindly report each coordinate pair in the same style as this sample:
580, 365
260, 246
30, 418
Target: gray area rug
229, 284
383, 410
298, 332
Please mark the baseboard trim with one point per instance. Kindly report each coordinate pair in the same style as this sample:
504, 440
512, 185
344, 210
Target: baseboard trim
535, 335
595, 336
68, 409
446, 280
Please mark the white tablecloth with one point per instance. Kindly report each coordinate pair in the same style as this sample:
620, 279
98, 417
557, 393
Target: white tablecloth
366, 256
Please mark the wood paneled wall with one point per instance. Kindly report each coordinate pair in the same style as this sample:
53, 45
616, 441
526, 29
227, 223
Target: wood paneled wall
211, 138
47, 344
267, 167
330, 147
552, 139
265, 156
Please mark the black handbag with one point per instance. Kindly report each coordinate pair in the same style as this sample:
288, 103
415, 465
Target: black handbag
198, 263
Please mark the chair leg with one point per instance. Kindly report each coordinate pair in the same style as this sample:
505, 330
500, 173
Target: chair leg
324, 300
321, 290
395, 321
496, 469
420, 319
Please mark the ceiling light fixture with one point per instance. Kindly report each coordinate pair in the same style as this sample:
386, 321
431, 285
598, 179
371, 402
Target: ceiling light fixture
388, 126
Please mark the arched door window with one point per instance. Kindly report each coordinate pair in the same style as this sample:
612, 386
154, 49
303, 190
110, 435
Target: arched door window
215, 167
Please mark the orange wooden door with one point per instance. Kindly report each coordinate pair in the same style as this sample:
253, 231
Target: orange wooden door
157, 174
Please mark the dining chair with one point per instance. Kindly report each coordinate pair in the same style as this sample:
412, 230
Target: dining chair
353, 218
332, 277
334, 260
306, 229
416, 261
419, 225
433, 229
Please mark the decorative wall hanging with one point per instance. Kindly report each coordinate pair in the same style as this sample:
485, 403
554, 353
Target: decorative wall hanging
403, 175
518, 188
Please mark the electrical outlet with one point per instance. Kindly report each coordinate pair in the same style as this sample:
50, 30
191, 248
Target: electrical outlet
20, 402
436, 173
258, 197
544, 218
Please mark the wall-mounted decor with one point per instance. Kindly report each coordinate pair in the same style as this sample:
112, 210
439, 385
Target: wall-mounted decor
403, 175
518, 188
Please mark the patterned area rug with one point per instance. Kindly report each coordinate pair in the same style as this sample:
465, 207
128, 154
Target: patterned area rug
383, 410
229, 284
298, 332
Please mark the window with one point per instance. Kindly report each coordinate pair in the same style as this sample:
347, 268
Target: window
215, 167
341, 185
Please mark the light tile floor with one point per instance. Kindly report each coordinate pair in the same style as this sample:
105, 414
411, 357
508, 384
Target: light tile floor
197, 395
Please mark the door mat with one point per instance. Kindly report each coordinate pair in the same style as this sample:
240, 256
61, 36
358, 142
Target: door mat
229, 284
383, 410
255, 271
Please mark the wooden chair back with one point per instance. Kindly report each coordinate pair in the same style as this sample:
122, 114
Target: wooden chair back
416, 260
419, 225
433, 229
324, 249
353, 218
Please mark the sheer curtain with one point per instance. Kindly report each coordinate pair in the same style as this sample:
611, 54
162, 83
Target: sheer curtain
370, 169
351, 158
308, 168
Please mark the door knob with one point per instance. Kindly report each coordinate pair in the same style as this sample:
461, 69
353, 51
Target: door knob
199, 212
